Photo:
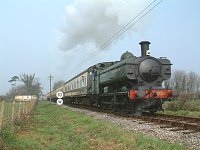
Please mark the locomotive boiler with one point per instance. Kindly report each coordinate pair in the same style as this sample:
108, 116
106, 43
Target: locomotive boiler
133, 84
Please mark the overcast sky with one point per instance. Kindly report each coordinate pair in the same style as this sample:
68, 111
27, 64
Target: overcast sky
52, 37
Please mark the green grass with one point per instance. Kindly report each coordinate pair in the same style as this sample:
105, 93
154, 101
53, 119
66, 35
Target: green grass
183, 113
181, 107
53, 127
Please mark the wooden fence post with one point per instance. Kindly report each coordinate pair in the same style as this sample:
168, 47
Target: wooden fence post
26, 107
22, 108
2, 114
32, 104
19, 111
29, 107
13, 112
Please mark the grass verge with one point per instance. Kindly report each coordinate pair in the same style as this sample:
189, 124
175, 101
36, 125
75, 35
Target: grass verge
183, 113
53, 127
182, 107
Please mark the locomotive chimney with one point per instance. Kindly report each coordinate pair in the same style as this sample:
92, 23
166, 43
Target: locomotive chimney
145, 48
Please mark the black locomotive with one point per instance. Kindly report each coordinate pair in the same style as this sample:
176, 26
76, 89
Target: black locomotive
132, 84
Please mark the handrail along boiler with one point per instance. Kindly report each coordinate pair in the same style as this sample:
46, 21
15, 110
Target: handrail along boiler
132, 84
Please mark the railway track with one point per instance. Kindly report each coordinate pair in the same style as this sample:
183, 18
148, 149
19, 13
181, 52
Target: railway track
176, 123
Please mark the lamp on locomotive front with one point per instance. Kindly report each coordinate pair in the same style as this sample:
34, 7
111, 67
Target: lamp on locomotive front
148, 52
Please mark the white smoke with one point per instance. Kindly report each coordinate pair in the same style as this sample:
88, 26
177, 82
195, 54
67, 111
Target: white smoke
93, 22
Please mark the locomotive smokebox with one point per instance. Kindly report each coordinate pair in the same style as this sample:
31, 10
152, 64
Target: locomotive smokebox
145, 48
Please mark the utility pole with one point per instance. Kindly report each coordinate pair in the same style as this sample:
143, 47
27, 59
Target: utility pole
50, 78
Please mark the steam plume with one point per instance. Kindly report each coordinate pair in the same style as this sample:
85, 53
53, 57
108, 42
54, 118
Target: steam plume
93, 22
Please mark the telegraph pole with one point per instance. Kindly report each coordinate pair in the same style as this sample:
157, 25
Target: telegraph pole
50, 78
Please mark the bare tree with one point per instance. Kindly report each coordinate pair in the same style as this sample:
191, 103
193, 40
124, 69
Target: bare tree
198, 84
30, 86
178, 80
37, 88
186, 84
190, 82
27, 79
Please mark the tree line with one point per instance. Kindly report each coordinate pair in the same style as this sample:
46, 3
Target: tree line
187, 84
30, 86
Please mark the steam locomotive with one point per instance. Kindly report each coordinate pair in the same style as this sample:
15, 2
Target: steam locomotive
133, 84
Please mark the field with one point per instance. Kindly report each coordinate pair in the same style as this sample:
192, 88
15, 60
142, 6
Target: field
52, 127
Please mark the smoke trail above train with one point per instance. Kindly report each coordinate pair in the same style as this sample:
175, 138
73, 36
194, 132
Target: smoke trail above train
90, 23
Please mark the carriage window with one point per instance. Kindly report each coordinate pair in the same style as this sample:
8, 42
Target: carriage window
72, 86
83, 81
77, 84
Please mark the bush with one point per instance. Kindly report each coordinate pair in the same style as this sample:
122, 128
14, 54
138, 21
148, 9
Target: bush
183, 104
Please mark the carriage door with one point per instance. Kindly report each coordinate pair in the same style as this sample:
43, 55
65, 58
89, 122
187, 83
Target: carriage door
95, 82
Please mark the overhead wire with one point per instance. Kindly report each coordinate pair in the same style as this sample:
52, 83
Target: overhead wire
111, 38
119, 33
